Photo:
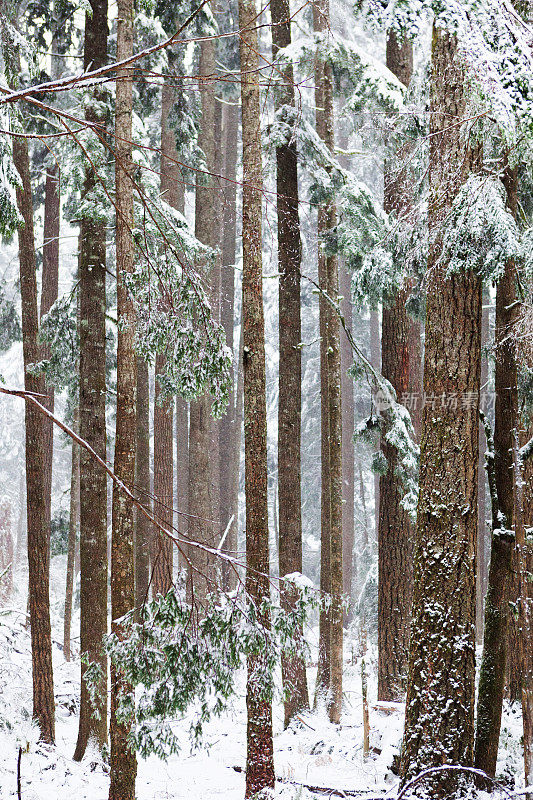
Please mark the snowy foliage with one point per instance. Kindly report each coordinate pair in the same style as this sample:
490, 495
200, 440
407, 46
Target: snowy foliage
173, 312
59, 331
480, 233
361, 220
392, 421
496, 43
9, 321
9, 180
183, 662
9, 177
361, 79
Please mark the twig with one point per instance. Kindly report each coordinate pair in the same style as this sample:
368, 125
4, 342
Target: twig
326, 790
19, 788
453, 768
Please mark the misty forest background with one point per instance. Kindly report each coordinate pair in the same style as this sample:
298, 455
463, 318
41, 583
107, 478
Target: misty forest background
266, 349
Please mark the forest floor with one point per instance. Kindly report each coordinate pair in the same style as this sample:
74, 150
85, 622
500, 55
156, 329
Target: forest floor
311, 753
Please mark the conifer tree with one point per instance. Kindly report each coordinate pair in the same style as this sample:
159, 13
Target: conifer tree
201, 525
123, 759
228, 424
290, 357
329, 282
500, 578
348, 425
395, 534
38, 532
162, 549
143, 530
73, 527
259, 742
92, 423
439, 724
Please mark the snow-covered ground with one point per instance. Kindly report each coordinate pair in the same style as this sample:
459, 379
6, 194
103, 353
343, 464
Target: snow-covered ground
311, 752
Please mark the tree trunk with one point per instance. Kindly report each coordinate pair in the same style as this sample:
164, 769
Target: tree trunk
49, 292
323, 676
481, 572
375, 360
162, 546
330, 282
227, 429
497, 612
6, 553
143, 529
348, 463
439, 725
215, 292
21, 544
50, 274
123, 764
72, 536
38, 531
173, 190
236, 461
259, 756
201, 525
93, 480
182, 471
525, 566
290, 363
395, 532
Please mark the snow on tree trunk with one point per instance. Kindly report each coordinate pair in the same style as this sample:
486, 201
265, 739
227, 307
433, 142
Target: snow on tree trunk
348, 427
400, 365
439, 724
497, 610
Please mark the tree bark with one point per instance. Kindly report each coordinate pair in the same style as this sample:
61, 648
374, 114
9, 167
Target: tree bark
395, 532
290, 363
143, 529
482, 537
123, 759
49, 292
348, 456
375, 360
227, 429
73, 526
201, 524
330, 282
259, 743
162, 547
38, 531
323, 677
182, 470
173, 190
92, 423
50, 273
497, 612
525, 566
439, 725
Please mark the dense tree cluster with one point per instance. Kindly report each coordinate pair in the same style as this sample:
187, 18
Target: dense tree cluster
274, 285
